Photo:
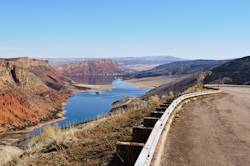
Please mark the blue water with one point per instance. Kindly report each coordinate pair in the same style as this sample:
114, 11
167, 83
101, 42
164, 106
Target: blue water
88, 105
85, 106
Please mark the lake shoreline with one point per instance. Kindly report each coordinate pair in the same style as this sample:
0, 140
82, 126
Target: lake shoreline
12, 137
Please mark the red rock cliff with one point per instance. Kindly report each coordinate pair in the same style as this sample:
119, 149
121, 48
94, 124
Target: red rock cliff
30, 91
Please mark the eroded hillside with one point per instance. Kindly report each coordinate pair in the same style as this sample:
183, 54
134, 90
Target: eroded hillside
233, 72
30, 91
177, 68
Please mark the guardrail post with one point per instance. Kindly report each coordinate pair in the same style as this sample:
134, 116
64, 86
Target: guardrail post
127, 153
160, 109
156, 114
141, 134
168, 102
149, 121
164, 105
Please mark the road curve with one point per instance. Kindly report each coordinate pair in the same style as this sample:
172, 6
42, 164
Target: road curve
211, 131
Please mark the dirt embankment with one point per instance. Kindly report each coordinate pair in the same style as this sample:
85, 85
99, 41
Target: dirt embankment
211, 131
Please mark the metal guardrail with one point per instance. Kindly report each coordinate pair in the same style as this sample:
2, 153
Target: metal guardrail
148, 150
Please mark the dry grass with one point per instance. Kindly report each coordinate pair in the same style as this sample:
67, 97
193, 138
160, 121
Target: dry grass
52, 137
90, 144
154, 100
8, 153
195, 88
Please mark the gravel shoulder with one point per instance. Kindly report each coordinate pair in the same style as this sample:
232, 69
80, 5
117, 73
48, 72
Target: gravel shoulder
211, 131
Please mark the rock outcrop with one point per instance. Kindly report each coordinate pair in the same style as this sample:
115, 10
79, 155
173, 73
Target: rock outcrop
30, 91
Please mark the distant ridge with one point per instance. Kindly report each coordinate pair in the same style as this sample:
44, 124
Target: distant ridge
236, 71
122, 60
180, 67
148, 60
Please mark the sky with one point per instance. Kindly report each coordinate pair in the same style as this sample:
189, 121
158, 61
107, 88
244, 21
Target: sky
190, 29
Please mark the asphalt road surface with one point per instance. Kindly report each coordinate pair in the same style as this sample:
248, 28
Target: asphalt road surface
213, 131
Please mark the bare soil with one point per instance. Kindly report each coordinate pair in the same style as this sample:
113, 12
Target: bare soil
211, 131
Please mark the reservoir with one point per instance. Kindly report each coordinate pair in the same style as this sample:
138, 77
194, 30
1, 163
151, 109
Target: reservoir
85, 106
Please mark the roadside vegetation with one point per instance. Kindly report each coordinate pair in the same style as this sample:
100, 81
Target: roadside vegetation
92, 143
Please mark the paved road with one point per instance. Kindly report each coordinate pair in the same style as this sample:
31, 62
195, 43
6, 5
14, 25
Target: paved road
212, 131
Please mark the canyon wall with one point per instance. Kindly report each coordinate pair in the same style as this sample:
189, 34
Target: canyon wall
30, 91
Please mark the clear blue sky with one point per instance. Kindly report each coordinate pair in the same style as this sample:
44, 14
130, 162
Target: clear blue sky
113, 28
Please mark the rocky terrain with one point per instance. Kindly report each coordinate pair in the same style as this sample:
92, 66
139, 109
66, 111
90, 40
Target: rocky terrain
30, 91
233, 72
89, 70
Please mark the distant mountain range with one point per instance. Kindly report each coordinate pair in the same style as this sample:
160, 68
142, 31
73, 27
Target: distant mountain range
176, 68
123, 60
156, 60
145, 63
132, 63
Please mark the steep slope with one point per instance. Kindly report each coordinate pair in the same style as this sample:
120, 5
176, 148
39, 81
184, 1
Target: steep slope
30, 91
175, 87
175, 68
233, 72
90, 69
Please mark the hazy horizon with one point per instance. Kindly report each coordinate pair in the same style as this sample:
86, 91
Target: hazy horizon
93, 58
110, 29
